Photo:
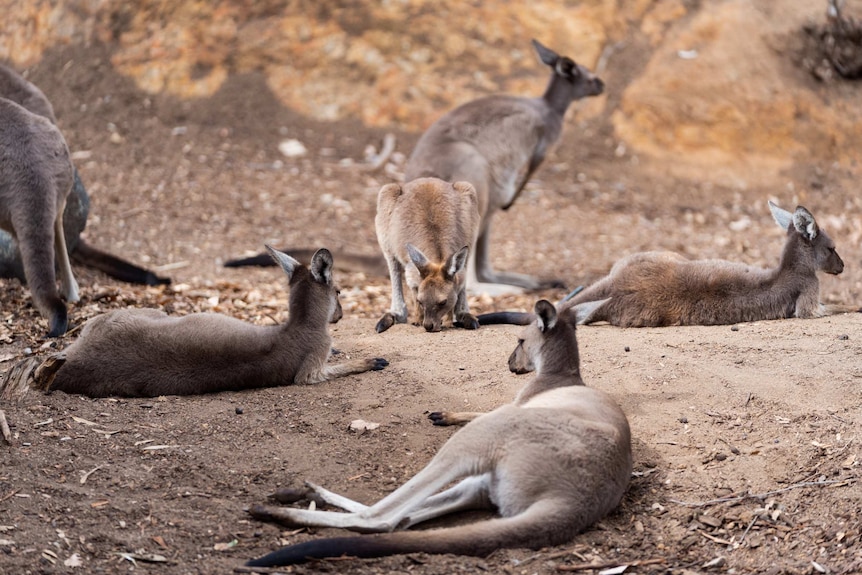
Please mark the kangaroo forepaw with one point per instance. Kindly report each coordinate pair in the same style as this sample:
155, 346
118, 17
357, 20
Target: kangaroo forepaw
288, 495
59, 320
387, 321
438, 418
467, 321
377, 363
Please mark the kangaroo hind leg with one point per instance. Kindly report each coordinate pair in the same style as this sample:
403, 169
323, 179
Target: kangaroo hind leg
67, 279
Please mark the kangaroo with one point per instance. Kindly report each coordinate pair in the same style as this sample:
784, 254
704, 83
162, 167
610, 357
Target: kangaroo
146, 353
552, 463
496, 143
17, 89
36, 176
425, 229
652, 289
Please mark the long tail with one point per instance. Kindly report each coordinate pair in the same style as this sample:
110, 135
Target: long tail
539, 526
371, 265
506, 317
115, 267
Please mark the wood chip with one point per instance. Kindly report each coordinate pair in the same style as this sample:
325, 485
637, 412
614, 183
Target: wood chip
4, 427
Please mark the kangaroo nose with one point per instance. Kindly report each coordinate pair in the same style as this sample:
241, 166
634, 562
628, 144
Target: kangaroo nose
600, 86
431, 326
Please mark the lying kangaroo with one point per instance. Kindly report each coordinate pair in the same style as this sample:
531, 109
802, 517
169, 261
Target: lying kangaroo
36, 176
552, 463
496, 143
146, 353
425, 229
652, 289
17, 89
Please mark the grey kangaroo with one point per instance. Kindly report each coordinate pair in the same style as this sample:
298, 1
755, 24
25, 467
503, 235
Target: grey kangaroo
496, 143
652, 289
146, 353
425, 229
551, 463
17, 89
36, 176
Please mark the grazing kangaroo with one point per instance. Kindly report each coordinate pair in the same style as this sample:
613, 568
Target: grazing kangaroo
552, 463
651, 289
36, 176
425, 229
146, 353
496, 143
17, 89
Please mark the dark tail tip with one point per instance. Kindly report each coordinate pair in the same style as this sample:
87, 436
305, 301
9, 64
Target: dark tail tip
260, 260
506, 317
362, 546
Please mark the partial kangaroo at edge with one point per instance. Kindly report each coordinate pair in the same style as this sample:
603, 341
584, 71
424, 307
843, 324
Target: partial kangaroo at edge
651, 289
496, 143
551, 463
425, 229
146, 353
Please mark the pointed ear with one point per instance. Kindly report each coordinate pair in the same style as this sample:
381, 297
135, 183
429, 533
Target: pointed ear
287, 263
804, 223
546, 315
548, 56
321, 266
782, 217
417, 257
584, 311
457, 261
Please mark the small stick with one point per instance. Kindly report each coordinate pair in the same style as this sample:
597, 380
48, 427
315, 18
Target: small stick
85, 476
747, 529
4, 428
760, 496
610, 564
9, 495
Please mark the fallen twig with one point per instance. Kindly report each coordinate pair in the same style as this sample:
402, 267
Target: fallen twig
9, 495
86, 475
610, 564
4, 428
760, 496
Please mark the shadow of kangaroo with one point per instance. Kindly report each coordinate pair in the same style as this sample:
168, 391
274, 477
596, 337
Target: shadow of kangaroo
36, 176
425, 229
496, 143
551, 463
651, 289
17, 89
146, 353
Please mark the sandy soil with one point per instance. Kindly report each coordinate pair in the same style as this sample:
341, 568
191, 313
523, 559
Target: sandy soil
746, 438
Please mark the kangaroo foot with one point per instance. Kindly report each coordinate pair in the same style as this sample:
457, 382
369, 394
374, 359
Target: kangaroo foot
466, 321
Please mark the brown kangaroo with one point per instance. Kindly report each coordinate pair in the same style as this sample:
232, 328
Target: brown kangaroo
496, 143
36, 176
17, 89
425, 229
652, 289
551, 463
146, 353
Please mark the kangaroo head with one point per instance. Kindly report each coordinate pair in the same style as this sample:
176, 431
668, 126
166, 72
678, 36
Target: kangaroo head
319, 288
580, 82
814, 245
439, 285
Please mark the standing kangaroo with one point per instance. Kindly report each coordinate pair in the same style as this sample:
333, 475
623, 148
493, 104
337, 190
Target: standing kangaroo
651, 289
496, 143
552, 463
425, 229
36, 176
146, 353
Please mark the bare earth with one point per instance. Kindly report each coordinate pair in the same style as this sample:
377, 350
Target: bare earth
746, 438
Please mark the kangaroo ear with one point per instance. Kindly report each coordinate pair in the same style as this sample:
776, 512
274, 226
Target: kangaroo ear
548, 56
321, 266
417, 257
546, 315
804, 223
287, 263
464, 188
566, 68
782, 217
457, 261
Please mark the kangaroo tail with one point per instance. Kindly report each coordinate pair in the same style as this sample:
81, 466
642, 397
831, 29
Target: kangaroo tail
506, 317
544, 523
115, 267
371, 265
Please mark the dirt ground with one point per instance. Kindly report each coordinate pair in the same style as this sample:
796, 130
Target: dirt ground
746, 438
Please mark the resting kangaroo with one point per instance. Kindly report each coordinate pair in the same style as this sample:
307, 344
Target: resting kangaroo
496, 143
146, 353
551, 463
425, 229
17, 89
36, 176
663, 288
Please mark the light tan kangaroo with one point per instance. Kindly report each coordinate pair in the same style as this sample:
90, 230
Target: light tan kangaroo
36, 175
496, 143
551, 463
425, 229
651, 289
146, 353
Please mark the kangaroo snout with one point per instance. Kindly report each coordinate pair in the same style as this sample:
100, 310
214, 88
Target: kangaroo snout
598, 87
